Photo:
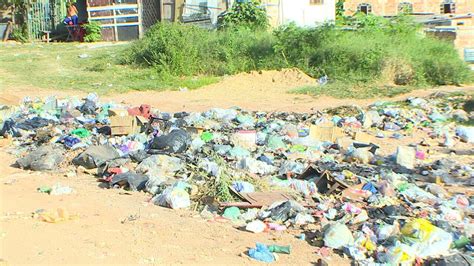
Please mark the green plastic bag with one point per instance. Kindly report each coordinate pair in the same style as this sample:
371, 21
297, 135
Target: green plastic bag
81, 133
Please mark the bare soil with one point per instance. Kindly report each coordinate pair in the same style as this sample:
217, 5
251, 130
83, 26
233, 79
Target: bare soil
113, 227
264, 91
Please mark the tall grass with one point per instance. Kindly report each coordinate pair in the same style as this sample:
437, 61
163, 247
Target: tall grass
188, 50
390, 55
374, 52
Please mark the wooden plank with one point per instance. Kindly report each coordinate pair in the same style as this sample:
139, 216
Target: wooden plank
7, 31
178, 10
113, 7
115, 24
124, 24
161, 11
140, 22
260, 199
117, 16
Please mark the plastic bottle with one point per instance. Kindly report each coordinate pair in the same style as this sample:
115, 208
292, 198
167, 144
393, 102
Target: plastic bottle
280, 249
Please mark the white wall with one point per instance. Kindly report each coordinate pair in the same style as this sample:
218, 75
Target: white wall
304, 14
193, 6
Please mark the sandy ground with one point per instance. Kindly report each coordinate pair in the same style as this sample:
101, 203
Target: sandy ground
102, 232
264, 91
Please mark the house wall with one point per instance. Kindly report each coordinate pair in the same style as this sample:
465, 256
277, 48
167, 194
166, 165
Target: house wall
300, 12
464, 39
464, 34
390, 7
211, 8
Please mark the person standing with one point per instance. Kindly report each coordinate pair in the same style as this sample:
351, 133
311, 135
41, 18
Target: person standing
71, 18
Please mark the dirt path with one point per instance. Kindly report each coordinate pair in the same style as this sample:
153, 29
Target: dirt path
266, 91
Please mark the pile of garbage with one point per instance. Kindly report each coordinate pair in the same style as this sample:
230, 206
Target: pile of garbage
320, 172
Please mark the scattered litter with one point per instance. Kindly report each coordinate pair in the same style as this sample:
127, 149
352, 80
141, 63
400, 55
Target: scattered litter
59, 215
327, 173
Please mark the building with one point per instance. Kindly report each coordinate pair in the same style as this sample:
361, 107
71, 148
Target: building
421, 7
451, 20
300, 12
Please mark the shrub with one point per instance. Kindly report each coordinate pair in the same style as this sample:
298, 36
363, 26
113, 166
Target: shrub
398, 71
188, 50
93, 32
20, 34
374, 52
245, 15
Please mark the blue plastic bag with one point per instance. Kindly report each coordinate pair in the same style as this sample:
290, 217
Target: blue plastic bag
261, 253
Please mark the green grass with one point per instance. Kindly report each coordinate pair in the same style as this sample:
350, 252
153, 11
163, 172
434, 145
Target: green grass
59, 66
364, 62
378, 57
342, 91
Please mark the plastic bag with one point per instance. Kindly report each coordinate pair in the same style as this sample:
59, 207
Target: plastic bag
245, 138
426, 239
89, 107
158, 168
261, 253
282, 211
81, 133
243, 186
466, 134
96, 156
338, 236
174, 197
60, 190
256, 226
232, 213
275, 143
136, 182
42, 159
401, 254
255, 166
177, 141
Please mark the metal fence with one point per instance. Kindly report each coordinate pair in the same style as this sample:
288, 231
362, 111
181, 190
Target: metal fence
150, 13
45, 15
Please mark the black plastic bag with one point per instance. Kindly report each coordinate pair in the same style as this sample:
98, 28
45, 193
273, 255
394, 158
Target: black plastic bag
43, 159
88, 108
177, 141
33, 123
96, 156
134, 181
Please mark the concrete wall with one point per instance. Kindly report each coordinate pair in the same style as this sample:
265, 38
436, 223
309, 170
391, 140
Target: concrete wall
303, 13
300, 12
390, 7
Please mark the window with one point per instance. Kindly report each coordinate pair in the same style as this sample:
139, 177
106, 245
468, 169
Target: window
448, 7
364, 8
316, 2
405, 8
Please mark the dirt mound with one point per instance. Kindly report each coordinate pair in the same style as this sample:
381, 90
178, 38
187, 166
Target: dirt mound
291, 77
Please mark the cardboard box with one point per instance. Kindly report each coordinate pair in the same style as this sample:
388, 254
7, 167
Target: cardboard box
123, 124
362, 137
197, 131
325, 133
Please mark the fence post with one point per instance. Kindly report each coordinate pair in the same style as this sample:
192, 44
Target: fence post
140, 20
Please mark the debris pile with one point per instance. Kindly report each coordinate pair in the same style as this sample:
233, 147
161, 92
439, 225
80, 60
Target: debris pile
331, 174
